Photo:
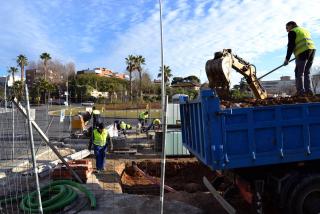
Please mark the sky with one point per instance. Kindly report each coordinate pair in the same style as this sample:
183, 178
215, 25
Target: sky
102, 33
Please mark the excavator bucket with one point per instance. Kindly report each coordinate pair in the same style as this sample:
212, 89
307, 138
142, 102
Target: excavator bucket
218, 72
219, 69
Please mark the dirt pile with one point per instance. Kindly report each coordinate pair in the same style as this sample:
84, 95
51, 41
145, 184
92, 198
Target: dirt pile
248, 102
185, 176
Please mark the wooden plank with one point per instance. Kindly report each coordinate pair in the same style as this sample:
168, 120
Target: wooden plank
131, 151
219, 198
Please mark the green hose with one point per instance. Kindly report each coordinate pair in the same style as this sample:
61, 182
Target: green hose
55, 196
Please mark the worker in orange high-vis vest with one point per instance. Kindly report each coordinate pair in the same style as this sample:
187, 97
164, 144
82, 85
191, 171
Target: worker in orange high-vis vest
100, 138
301, 44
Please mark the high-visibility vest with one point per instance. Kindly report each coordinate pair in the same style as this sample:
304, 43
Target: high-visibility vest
123, 125
128, 126
156, 122
303, 41
143, 116
95, 112
100, 139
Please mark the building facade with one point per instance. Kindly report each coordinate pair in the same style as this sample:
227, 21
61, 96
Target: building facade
283, 87
9, 80
103, 72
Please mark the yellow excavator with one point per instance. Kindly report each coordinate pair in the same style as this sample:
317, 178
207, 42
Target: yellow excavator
219, 70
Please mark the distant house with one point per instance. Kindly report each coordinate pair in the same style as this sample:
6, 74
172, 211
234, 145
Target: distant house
9, 80
32, 75
97, 94
103, 72
186, 85
155, 81
284, 86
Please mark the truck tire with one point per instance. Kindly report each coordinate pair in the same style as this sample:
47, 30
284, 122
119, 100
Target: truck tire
287, 189
305, 198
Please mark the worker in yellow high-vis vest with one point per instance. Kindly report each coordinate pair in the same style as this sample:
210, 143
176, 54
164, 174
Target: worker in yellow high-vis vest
96, 116
301, 44
100, 139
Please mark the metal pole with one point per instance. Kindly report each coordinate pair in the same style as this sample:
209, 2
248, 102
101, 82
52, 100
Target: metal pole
5, 94
12, 155
274, 70
164, 116
34, 161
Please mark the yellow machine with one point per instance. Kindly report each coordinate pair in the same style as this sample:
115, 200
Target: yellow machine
78, 126
218, 72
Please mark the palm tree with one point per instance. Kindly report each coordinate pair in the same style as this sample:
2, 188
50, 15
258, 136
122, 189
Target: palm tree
22, 61
130, 61
167, 73
45, 57
12, 71
139, 61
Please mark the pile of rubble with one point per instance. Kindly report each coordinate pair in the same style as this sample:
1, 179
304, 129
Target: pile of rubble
248, 102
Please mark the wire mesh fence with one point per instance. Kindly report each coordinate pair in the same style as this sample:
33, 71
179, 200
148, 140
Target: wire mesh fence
133, 159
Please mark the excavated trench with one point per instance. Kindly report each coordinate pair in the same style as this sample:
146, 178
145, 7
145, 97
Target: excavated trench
180, 175
184, 177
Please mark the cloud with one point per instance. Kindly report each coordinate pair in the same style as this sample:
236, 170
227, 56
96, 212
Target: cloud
193, 34
102, 33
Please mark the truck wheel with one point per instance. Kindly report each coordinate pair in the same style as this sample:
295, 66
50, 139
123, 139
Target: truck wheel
305, 198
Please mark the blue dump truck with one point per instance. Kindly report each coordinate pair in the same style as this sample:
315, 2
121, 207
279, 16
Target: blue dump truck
271, 152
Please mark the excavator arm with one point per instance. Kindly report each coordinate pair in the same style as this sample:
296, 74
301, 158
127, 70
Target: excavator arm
218, 72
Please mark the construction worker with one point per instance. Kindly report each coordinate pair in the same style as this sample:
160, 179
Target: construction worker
143, 116
124, 126
95, 116
100, 139
156, 124
301, 44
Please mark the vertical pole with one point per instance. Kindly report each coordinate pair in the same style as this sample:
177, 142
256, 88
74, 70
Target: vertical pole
5, 94
34, 161
164, 116
12, 155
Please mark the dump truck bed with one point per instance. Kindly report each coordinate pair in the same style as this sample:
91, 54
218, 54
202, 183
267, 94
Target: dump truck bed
248, 137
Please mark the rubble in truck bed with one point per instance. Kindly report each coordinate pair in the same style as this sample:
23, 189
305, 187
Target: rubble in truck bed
248, 102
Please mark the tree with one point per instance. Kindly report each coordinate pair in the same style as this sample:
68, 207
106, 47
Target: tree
40, 89
139, 61
167, 73
176, 80
22, 61
70, 69
240, 90
147, 85
17, 89
130, 61
192, 79
45, 57
13, 71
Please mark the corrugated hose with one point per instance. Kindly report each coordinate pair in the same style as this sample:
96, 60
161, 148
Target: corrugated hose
55, 196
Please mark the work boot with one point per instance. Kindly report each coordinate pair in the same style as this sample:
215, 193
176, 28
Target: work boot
308, 93
299, 94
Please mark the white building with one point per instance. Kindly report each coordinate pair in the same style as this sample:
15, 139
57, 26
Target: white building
284, 86
9, 80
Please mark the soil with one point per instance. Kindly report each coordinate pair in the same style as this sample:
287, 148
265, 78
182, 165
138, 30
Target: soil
184, 176
248, 102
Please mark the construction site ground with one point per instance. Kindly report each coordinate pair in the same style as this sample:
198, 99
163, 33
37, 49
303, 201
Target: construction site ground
121, 189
